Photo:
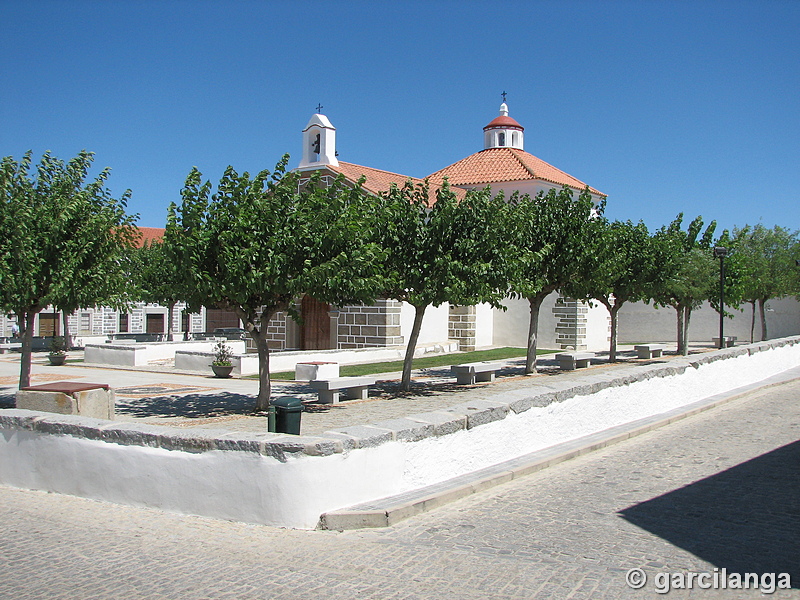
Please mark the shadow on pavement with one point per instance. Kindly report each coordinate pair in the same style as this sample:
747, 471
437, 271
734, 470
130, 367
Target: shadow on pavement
187, 405
745, 519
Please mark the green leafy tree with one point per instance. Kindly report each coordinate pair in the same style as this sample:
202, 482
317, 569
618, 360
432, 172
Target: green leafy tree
690, 274
63, 241
549, 237
258, 244
158, 279
765, 260
627, 265
444, 251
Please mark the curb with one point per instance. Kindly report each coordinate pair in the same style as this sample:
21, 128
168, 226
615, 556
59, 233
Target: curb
385, 512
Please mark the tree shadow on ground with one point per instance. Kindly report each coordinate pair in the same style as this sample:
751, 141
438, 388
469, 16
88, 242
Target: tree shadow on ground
745, 519
8, 400
190, 406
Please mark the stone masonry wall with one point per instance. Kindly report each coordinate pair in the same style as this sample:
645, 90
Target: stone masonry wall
571, 323
461, 326
365, 326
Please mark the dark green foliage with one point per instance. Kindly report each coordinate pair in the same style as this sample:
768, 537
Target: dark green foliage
260, 243
63, 240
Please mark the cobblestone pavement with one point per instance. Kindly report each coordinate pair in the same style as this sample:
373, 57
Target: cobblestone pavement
720, 489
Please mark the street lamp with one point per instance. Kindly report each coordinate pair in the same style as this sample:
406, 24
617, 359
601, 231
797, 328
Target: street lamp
721, 253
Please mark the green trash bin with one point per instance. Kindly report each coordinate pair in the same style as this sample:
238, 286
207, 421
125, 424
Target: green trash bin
287, 414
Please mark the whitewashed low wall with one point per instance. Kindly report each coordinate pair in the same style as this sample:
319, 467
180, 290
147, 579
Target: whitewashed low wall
139, 355
291, 480
243, 364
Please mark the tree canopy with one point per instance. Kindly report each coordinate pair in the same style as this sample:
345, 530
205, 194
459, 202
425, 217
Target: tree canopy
450, 250
258, 244
550, 239
63, 240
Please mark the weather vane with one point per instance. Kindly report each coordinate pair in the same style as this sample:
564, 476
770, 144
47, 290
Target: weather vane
319, 108
504, 96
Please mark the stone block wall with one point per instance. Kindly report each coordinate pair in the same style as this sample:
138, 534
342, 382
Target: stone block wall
365, 326
276, 331
461, 326
571, 323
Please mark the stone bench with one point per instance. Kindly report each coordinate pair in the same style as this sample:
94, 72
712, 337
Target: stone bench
94, 400
569, 361
649, 350
469, 373
730, 340
354, 388
9, 346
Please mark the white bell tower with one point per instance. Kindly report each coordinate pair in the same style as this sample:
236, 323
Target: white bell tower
319, 143
503, 132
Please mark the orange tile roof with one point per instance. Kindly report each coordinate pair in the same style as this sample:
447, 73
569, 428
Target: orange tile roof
378, 181
149, 235
495, 165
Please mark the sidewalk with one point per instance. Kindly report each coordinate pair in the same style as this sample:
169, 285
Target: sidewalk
161, 395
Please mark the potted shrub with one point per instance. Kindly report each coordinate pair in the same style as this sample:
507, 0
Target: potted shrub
58, 350
222, 365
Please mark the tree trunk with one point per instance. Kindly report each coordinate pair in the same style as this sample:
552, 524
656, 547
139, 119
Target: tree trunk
687, 310
753, 322
170, 321
28, 317
612, 349
681, 329
533, 331
419, 313
264, 383
763, 313
67, 337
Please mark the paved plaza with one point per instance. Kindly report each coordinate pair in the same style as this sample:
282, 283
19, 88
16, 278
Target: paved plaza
720, 489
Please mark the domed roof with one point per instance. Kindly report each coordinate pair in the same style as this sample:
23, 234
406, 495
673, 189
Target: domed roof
504, 121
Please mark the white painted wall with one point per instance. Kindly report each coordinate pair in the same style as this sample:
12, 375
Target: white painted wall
484, 325
434, 324
639, 322
137, 355
255, 488
511, 325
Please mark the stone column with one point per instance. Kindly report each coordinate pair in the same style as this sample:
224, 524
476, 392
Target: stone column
571, 323
370, 326
461, 326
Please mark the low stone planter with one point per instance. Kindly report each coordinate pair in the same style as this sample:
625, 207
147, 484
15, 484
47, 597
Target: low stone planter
95, 400
309, 371
222, 371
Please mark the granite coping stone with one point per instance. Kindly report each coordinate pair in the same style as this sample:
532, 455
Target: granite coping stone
404, 429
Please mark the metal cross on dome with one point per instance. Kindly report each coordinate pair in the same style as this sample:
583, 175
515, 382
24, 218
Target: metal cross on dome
504, 96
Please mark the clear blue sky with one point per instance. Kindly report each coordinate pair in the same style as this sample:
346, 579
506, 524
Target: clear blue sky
664, 106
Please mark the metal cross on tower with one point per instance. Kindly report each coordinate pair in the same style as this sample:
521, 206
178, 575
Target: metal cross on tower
319, 108
504, 96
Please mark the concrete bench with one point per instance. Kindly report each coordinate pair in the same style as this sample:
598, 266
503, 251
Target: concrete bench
649, 350
9, 346
354, 388
94, 400
730, 340
469, 373
569, 361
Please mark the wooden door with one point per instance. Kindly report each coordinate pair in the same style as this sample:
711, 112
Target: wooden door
49, 324
316, 329
155, 323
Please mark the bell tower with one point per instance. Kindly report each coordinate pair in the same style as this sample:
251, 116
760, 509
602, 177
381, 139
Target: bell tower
503, 131
319, 143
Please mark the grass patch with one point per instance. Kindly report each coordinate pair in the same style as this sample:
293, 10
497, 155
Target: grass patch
425, 362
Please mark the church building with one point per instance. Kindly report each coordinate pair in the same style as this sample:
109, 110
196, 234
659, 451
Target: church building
503, 165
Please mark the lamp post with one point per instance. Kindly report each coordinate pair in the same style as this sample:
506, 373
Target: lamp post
721, 253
